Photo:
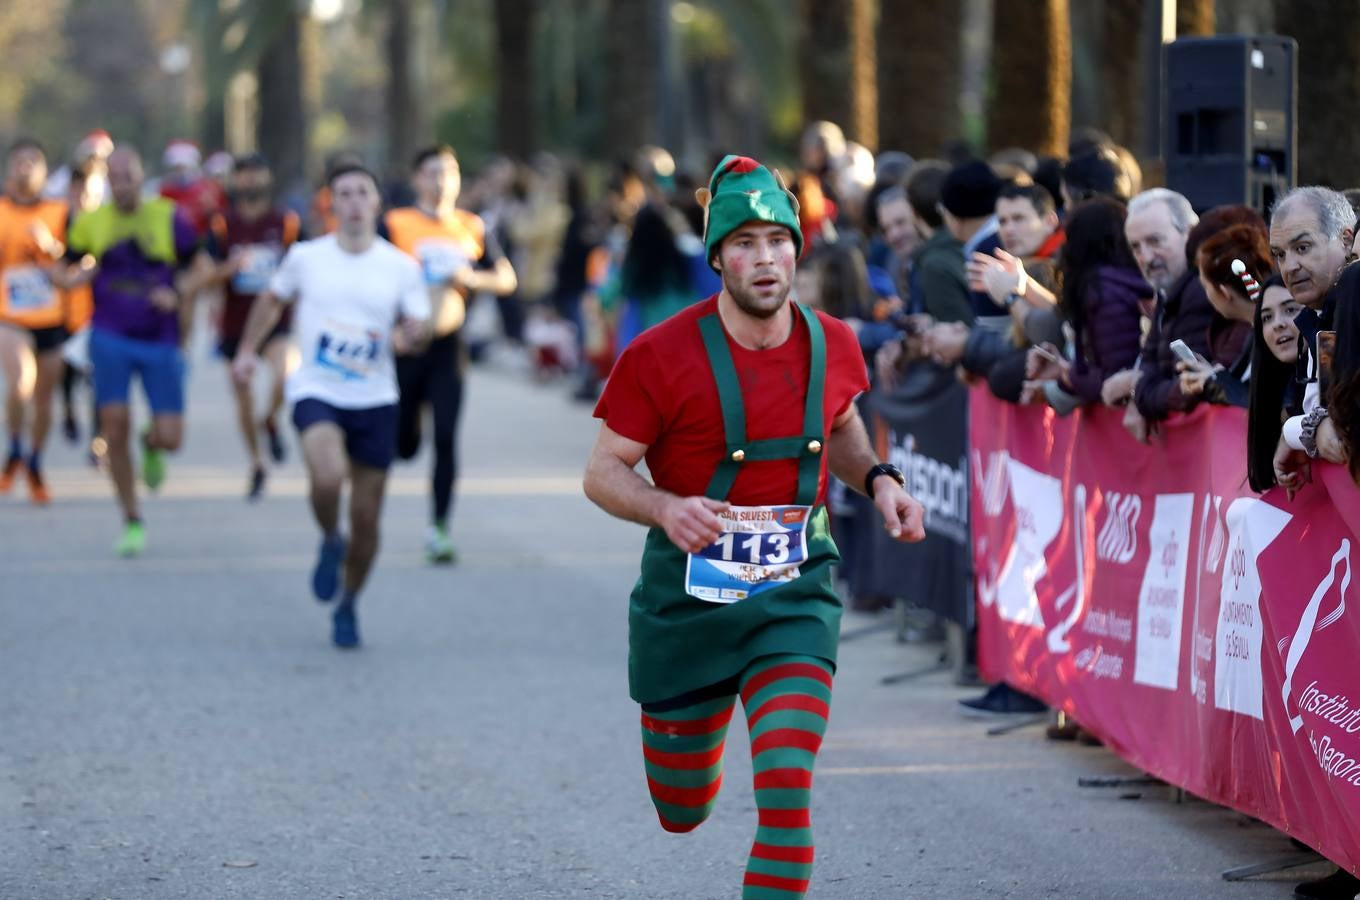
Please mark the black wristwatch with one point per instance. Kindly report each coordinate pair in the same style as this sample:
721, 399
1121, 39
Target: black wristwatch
883, 469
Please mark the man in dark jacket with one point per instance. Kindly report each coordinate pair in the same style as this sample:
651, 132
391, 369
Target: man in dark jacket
1159, 222
968, 207
1018, 278
939, 286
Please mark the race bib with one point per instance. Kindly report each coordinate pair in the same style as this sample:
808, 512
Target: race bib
439, 259
351, 353
259, 262
761, 548
29, 290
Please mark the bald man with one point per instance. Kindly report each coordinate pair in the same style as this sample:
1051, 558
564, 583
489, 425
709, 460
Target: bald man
136, 251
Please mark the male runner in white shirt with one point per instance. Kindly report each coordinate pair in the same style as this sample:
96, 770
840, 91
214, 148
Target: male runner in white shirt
355, 297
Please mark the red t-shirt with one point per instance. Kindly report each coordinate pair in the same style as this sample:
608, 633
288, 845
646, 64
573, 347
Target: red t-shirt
662, 393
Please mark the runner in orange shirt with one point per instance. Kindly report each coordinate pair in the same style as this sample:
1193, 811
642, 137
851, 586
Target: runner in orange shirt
32, 311
458, 259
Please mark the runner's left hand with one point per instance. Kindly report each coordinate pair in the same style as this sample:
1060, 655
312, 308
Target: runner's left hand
243, 367
903, 515
163, 298
463, 278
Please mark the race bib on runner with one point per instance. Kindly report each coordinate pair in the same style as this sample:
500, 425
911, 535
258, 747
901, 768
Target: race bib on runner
259, 262
349, 352
439, 259
29, 289
761, 548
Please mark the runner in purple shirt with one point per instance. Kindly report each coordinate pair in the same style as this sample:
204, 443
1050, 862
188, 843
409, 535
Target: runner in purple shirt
137, 252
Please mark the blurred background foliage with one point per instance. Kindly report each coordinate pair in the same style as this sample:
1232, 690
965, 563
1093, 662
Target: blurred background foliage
594, 79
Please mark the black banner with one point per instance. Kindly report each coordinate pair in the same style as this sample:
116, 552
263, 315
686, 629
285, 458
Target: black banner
921, 426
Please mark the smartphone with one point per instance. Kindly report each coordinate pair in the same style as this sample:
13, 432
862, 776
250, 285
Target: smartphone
1326, 350
1048, 354
1183, 352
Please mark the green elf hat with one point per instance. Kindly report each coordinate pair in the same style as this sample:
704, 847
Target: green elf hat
740, 191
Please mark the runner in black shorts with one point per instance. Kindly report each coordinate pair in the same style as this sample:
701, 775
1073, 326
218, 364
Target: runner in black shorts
356, 297
246, 244
458, 259
32, 312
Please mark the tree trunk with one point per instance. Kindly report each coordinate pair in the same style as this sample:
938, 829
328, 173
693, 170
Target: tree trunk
404, 125
920, 75
1121, 71
1329, 88
632, 91
282, 126
838, 67
1032, 76
1194, 18
213, 122
515, 117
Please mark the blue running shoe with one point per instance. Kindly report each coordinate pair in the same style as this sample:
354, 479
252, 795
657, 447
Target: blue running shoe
326, 575
344, 627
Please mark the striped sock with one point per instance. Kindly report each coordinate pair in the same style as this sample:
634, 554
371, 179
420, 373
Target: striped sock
682, 751
787, 700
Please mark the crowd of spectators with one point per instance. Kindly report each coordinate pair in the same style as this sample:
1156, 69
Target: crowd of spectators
1061, 283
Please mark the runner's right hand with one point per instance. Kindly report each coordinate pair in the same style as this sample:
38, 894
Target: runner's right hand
692, 522
243, 367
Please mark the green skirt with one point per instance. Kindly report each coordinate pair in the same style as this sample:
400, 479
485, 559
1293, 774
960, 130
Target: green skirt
678, 643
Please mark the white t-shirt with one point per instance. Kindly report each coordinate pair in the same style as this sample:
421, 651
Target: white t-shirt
345, 305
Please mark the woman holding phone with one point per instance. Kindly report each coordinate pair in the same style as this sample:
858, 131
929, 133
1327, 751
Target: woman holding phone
1103, 295
1232, 265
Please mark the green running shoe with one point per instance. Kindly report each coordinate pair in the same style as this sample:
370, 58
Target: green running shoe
153, 466
133, 541
438, 548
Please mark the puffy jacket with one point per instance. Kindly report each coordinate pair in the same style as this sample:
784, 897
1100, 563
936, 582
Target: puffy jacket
1184, 314
1110, 334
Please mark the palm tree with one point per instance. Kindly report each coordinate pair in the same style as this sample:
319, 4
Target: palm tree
515, 65
1032, 73
405, 124
632, 44
838, 55
1121, 71
1195, 18
920, 75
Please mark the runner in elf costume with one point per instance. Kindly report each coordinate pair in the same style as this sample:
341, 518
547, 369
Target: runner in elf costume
740, 405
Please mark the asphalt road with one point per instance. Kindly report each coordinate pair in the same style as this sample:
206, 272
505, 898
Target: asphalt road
179, 727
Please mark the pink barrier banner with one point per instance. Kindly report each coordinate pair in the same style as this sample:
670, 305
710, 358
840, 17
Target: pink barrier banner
1209, 636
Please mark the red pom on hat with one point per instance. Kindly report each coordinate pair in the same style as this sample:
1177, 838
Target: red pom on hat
741, 165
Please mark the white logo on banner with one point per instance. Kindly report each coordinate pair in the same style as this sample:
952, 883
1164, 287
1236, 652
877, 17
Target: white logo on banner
1118, 541
995, 482
942, 489
1252, 525
1220, 539
1210, 555
1038, 503
1076, 594
1161, 600
1310, 624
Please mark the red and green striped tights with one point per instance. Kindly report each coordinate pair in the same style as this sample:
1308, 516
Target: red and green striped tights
787, 699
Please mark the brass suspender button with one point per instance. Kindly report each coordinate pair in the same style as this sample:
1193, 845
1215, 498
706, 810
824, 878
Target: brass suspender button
738, 455
814, 446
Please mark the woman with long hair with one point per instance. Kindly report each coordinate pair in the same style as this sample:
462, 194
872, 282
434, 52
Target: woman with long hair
1274, 353
1102, 298
654, 280
1224, 378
